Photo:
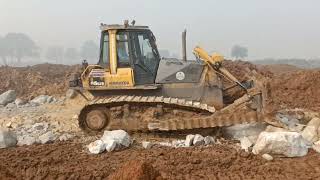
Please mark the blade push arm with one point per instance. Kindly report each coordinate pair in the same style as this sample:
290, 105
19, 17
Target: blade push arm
215, 62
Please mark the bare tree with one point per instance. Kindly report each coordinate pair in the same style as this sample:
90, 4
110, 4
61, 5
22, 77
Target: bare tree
19, 45
239, 51
55, 53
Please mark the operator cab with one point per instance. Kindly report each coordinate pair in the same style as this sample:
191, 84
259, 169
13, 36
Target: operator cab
133, 48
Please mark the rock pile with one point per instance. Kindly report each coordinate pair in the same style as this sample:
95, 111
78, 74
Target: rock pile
110, 141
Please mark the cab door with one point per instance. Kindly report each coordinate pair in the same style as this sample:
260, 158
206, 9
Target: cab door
145, 57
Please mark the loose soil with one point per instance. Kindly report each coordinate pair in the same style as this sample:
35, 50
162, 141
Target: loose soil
71, 161
31, 81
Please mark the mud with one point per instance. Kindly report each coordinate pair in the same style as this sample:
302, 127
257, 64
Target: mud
71, 161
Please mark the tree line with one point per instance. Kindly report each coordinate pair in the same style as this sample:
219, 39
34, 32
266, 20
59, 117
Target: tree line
14, 47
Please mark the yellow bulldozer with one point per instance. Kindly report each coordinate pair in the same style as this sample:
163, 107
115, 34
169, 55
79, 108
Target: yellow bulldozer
134, 88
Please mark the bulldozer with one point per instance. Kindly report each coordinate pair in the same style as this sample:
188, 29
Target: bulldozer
133, 88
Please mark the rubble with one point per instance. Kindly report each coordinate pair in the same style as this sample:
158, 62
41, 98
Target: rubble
47, 137
239, 131
245, 143
198, 140
42, 99
26, 140
7, 139
70, 94
111, 145
97, 147
119, 136
146, 144
289, 144
7, 97
209, 140
65, 137
310, 133
20, 102
267, 157
189, 140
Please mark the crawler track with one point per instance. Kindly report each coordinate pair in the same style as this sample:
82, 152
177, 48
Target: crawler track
141, 113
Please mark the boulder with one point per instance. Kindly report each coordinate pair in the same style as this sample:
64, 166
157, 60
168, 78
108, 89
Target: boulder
310, 133
39, 128
7, 97
198, 140
275, 129
111, 145
178, 143
289, 144
7, 139
26, 140
208, 140
19, 102
11, 105
316, 146
42, 99
97, 147
146, 144
245, 143
267, 157
189, 140
119, 136
251, 131
70, 94
65, 137
47, 138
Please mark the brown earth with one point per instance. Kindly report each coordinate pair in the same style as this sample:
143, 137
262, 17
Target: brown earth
31, 81
70, 161
296, 89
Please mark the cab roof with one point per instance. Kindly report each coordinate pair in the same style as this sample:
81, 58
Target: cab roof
105, 27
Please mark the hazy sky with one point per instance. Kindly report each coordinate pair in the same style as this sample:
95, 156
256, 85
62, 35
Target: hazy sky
269, 28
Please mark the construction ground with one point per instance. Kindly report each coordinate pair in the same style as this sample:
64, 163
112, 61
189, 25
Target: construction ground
289, 88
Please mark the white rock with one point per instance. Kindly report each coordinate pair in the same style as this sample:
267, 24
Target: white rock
39, 128
189, 140
146, 144
178, 143
167, 144
267, 157
120, 136
275, 129
11, 105
209, 140
47, 137
198, 140
7, 139
42, 99
111, 145
19, 102
245, 143
26, 140
97, 147
290, 144
65, 137
7, 97
70, 94
238, 131
310, 133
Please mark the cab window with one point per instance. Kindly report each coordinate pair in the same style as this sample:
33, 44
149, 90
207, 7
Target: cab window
104, 57
123, 50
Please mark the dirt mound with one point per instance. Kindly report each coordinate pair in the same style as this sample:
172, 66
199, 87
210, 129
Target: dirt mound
240, 68
136, 170
299, 89
70, 161
279, 68
50, 79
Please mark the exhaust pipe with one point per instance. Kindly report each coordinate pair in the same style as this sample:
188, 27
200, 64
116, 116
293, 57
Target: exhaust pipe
184, 45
